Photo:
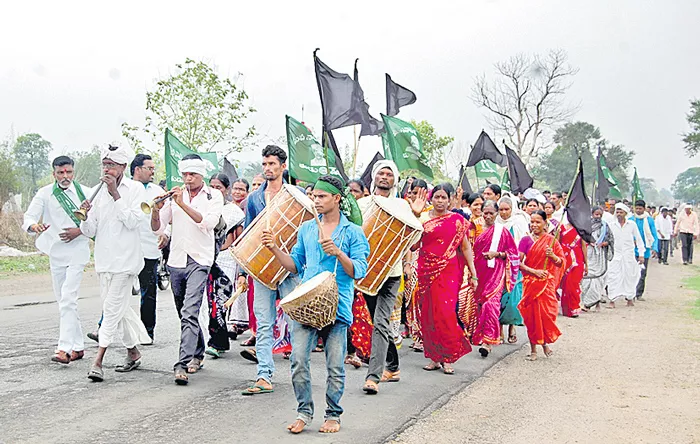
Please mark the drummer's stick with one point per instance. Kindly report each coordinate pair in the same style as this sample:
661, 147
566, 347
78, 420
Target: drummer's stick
318, 222
233, 297
267, 201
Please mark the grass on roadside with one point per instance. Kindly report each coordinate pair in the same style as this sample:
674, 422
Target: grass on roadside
14, 266
693, 283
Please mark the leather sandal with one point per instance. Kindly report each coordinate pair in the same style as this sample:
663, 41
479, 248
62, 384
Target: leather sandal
371, 387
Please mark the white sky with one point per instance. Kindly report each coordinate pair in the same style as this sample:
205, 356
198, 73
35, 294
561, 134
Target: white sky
74, 73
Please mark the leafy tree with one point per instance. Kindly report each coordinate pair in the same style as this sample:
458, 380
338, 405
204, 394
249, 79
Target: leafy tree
250, 169
9, 177
692, 138
687, 185
434, 147
526, 98
204, 110
88, 166
651, 193
31, 155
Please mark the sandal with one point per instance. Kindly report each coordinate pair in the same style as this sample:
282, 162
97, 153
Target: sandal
96, 374
389, 376
77, 355
250, 355
483, 351
370, 387
61, 357
128, 365
250, 342
548, 352
354, 361
447, 369
432, 367
195, 365
531, 357
181, 377
513, 339
256, 389
211, 351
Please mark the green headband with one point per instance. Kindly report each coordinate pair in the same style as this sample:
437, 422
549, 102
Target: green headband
348, 204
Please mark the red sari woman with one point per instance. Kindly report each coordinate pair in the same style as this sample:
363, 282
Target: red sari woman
541, 262
443, 251
497, 264
576, 266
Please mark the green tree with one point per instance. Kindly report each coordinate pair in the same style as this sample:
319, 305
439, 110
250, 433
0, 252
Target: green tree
692, 138
250, 169
9, 177
651, 193
434, 146
687, 185
31, 155
88, 166
204, 110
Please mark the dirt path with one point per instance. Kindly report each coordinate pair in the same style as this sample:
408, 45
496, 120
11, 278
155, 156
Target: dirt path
629, 375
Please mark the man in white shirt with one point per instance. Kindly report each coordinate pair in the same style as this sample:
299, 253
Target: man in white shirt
194, 211
624, 269
664, 228
142, 168
114, 218
385, 175
68, 250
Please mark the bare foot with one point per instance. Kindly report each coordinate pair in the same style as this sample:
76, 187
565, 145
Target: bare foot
297, 426
330, 426
597, 306
610, 305
630, 304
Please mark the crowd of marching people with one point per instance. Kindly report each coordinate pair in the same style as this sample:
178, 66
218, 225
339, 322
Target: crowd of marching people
480, 264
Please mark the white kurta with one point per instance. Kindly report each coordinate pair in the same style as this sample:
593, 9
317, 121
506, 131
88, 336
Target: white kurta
118, 259
624, 271
67, 260
149, 239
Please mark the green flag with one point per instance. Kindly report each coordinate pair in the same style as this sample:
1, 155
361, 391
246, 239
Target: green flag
614, 191
637, 192
175, 151
488, 170
505, 180
405, 147
308, 160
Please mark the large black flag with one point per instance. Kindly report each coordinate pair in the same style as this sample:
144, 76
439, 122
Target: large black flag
366, 177
464, 181
578, 207
520, 179
370, 125
229, 170
397, 96
341, 97
484, 148
602, 188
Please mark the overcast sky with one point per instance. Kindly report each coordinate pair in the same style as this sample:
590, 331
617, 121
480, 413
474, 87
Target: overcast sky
73, 74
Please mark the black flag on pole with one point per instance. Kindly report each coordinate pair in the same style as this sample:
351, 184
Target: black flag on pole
464, 181
366, 177
341, 97
578, 207
229, 170
397, 96
484, 148
520, 179
370, 125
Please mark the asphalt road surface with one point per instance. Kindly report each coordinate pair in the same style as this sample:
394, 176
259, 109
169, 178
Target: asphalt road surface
47, 402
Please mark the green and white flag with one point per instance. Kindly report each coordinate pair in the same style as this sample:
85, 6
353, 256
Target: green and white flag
404, 146
614, 191
505, 181
488, 170
308, 160
175, 151
637, 192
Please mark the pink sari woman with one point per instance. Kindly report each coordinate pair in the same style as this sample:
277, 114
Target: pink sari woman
497, 264
443, 251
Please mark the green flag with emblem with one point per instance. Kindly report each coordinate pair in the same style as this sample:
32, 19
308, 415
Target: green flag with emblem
404, 146
637, 192
175, 151
488, 170
308, 160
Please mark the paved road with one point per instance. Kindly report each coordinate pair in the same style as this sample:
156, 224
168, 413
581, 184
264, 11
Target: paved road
47, 402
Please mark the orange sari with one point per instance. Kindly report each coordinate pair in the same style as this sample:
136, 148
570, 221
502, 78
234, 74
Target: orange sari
539, 306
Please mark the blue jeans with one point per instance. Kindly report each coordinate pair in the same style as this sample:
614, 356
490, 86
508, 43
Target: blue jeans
304, 339
266, 313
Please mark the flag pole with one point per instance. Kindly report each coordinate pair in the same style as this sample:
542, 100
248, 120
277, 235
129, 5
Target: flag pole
355, 144
566, 204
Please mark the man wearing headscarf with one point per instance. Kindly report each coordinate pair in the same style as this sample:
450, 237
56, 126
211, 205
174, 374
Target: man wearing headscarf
624, 269
195, 210
385, 176
344, 250
114, 218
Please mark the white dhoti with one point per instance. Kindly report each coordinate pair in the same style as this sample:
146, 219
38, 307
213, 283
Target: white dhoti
66, 283
119, 321
623, 275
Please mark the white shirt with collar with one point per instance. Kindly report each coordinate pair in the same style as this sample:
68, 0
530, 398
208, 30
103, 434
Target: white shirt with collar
664, 226
116, 225
45, 207
149, 239
189, 238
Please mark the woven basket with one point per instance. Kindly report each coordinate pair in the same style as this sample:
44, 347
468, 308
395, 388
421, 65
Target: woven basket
315, 302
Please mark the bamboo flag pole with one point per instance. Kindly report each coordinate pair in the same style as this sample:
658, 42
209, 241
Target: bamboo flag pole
355, 145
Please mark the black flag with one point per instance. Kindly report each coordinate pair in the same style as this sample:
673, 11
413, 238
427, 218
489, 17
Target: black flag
370, 125
366, 177
464, 181
602, 188
397, 96
229, 170
341, 97
578, 207
484, 148
520, 179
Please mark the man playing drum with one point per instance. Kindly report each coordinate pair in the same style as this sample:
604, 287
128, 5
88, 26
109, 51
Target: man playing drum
385, 175
274, 162
341, 242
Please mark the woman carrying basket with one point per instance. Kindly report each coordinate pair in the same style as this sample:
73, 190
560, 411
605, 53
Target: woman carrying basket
334, 244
